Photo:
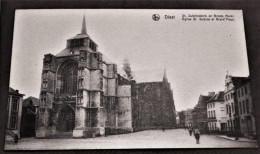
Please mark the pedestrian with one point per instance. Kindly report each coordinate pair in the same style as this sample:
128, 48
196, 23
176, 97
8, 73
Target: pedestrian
15, 139
163, 129
197, 135
185, 127
190, 131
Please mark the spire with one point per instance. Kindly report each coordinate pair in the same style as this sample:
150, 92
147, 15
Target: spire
84, 29
164, 75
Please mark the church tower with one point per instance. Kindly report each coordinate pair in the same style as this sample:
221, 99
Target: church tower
78, 90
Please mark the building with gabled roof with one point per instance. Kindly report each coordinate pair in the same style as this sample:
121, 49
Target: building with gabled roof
200, 112
14, 112
216, 113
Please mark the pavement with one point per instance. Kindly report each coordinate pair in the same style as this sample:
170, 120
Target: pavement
174, 138
241, 139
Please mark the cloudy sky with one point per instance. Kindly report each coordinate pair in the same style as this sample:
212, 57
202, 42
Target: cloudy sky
196, 54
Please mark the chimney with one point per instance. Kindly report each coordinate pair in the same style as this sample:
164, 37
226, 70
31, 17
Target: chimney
17, 91
211, 93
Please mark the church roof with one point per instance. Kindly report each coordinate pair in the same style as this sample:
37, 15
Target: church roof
122, 72
151, 75
66, 51
79, 36
107, 59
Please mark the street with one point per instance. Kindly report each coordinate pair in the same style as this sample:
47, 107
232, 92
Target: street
174, 138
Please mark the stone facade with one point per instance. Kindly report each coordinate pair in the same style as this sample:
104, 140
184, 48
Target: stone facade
239, 106
153, 104
14, 111
82, 92
246, 109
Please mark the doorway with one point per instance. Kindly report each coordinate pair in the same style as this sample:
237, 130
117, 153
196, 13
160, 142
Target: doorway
66, 119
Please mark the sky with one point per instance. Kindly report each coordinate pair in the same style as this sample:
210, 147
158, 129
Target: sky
196, 54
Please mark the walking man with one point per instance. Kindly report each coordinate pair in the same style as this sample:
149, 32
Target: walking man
197, 135
190, 131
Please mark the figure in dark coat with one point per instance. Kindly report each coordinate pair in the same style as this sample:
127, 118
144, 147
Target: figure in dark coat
197, 135
190, 131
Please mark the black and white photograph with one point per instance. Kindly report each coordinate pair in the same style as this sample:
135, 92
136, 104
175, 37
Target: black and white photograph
129, 79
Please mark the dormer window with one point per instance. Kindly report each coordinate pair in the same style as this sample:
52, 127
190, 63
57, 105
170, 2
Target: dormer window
76, 42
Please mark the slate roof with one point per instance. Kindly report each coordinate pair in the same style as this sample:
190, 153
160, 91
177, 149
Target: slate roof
14, 92
151, 75
29, 100
79, 36
107, 59
217, 97
122, 72
239, 81
66, 51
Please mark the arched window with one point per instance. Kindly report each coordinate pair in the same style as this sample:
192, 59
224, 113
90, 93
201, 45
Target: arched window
69, 78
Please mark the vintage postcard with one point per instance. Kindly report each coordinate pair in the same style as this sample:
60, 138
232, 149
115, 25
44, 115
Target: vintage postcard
129, 79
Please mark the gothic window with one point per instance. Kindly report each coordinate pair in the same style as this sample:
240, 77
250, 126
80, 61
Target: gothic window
101, 99
245, 90
89, 121
69, 79
44, 74
14, 113
45, 83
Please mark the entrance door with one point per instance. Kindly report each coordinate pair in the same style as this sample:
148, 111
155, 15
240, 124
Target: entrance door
66, 119
249, 126
223, 127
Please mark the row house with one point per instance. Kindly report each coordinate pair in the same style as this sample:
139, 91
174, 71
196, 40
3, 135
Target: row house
200, 112
245, 109
14, 112
216, 113
239, 107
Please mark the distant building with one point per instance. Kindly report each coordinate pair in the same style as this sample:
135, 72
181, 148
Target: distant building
153, 104
30, 108
14, 111
182, 119
216, 113
188, 118
200, 113
177, 119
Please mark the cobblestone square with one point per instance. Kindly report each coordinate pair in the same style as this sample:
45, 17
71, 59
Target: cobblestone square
175, 138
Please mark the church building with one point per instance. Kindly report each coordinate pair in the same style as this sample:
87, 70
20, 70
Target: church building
84, 94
